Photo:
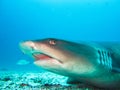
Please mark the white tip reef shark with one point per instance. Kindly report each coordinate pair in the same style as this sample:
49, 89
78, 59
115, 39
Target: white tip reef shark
92, 63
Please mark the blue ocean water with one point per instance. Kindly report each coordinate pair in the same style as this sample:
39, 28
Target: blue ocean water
93, 20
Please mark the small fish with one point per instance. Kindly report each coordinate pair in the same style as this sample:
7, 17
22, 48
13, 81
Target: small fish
23, 62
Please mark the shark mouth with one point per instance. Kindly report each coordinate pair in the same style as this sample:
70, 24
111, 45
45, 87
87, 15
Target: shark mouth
41, 56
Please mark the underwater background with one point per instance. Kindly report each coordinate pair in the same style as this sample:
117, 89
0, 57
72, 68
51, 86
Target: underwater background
74, 20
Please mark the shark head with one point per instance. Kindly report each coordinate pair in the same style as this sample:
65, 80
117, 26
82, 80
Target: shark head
60, 56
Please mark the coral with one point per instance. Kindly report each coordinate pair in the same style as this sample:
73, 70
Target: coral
35, 81
6, 79
23, 85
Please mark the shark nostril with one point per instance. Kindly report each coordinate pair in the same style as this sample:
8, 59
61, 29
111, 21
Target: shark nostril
30, 44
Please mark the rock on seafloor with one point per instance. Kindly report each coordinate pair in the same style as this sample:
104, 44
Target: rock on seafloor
12, 80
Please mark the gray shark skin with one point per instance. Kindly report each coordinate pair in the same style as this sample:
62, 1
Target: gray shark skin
92, 63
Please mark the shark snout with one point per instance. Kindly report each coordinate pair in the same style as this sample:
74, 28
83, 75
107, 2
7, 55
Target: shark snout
28, 43
27, 46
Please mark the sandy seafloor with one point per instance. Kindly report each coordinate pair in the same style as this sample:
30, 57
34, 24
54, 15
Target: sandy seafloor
13, 80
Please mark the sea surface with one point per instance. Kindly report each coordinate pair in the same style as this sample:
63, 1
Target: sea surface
74, 20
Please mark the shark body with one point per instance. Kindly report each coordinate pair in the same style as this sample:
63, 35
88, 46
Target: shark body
92, 63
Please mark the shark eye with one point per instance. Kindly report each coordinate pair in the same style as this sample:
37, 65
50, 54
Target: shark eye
52, 42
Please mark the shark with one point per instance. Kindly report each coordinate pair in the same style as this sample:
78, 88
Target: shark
92, 63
